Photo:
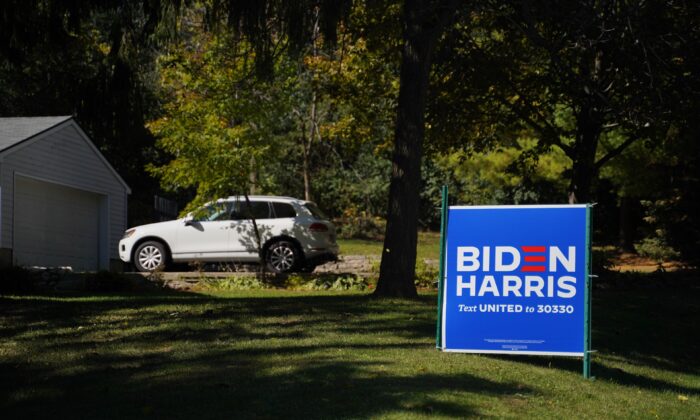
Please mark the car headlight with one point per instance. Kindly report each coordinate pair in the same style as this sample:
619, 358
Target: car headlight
128, 233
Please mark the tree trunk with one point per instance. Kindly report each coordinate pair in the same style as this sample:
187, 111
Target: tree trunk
307, 143
397, 269
583, 167
256, 230
253, 178
589, 125
629, 216
305, 174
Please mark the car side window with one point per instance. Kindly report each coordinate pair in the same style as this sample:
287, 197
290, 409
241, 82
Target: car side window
213, 212
258, 210
283, 210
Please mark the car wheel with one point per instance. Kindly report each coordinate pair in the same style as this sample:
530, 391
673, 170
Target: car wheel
282, 257
150, 256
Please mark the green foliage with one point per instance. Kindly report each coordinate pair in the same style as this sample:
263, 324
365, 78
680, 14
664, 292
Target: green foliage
657, 249
353, 184
498, 176
519, 95
233, 283
427, 275
664, 177
354, 224
219, 126
656, 244
330, 282
320, 115
579, 77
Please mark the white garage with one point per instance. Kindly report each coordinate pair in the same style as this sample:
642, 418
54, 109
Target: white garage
61, 203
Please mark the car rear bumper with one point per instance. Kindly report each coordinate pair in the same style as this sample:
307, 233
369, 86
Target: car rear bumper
318, 256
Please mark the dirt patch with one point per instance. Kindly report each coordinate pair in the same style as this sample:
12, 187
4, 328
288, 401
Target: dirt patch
627, 261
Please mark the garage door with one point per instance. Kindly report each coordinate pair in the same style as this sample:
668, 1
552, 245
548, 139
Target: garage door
55, 225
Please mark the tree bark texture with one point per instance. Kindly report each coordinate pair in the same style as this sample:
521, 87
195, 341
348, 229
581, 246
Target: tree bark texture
397, 269
630, 214
306, 143
589, 125
583, 167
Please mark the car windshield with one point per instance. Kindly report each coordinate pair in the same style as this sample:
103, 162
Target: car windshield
315, 211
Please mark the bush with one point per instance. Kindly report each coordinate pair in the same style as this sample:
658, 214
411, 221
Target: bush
356, 224
426, 275
657, 249
291, 282
670, 234
328, 282
233, 283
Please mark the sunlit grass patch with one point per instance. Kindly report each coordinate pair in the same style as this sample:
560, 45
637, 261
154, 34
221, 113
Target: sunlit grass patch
428, 246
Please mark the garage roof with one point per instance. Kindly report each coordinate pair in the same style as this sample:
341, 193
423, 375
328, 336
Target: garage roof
21, 130
16, 130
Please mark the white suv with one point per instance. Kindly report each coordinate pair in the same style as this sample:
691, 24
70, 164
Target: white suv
295, 236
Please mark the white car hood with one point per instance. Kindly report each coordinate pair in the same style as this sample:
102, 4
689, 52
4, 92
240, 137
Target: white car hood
158, 227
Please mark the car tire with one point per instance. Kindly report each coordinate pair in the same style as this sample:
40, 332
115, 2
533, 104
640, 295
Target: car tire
283, 257
150, 256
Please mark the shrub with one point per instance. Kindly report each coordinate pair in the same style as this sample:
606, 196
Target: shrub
233, 283
356, 224
657, 249
332, 282
670, 233
426, 275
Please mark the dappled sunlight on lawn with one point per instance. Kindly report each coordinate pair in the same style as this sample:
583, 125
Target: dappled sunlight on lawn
279, 354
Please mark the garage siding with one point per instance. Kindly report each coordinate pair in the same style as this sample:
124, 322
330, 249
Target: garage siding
62, 156
59, 226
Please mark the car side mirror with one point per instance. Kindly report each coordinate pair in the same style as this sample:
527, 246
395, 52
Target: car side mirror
189, 220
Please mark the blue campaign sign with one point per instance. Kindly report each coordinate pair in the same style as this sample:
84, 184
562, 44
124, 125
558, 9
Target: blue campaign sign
516, 280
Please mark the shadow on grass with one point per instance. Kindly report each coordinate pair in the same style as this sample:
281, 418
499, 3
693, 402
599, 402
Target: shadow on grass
180, 355
221, 387
655, 328
602, 372
185, 356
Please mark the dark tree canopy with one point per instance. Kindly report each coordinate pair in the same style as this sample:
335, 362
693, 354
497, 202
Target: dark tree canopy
93, 60
273, 25
609, 87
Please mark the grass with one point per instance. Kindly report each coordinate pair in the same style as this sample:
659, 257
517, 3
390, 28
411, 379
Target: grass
282, 354
428, 246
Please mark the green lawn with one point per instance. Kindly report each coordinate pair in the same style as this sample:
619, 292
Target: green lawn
281, 354
428, 246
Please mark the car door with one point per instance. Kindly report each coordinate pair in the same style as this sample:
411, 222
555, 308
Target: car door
243, 241
207, 235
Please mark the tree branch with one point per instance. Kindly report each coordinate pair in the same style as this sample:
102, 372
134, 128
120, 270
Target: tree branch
615, 152
548, 132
